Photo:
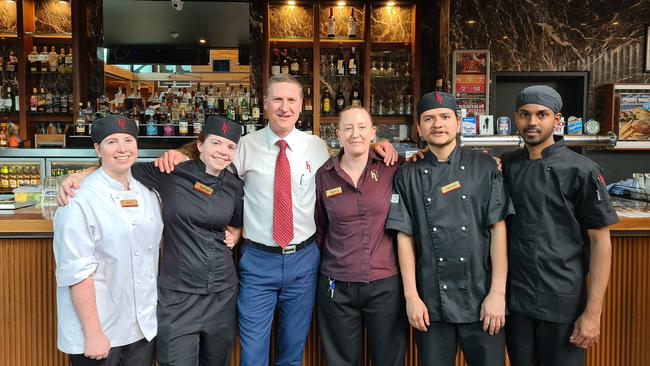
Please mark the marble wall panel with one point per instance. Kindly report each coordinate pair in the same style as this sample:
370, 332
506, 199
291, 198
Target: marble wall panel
290, 21
341, 20
391, 24
53, 16
602, 37
94, 40
8, 17
256, 39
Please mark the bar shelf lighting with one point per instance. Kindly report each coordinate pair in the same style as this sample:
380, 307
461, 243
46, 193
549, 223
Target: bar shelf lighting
608, 140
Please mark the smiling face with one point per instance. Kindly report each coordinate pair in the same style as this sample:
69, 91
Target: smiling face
283, 105
216, 153
355, 131
535, 124
118, 152
439, 127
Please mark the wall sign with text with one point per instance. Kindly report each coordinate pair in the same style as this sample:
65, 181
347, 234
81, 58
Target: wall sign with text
471, 77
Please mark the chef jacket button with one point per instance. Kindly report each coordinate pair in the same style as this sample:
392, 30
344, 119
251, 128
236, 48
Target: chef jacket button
150, 247
151, 275
548, 168
435, 229
440, 259
444, 287
463, 196
137, 282
463, 228
136, 253
426, 171
429, 199
462, 259
462, 167
133, 223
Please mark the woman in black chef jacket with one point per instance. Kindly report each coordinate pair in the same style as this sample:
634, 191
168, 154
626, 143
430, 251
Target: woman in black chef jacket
197, 282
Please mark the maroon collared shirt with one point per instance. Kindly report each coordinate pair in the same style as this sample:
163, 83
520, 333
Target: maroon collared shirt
350, 221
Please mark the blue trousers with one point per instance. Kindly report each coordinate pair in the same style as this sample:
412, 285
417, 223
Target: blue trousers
270, 279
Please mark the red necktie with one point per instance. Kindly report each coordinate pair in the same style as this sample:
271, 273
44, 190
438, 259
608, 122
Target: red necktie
282, 206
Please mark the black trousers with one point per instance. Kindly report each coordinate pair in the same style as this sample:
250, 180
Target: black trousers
378, 306
438, 345
534, 342
196, 329
139, 353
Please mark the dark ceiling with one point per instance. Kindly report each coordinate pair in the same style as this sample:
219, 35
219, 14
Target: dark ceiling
223, 24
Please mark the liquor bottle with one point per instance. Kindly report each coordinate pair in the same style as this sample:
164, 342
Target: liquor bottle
331, 25
44, 57
65, 104
340, 62
284, 69
41, 101
352, 63
355, 99
62, 67
255, 111
327, 103
168, 127
308, 102
56, 103
352, 25
183, 126
152, 129
33, 101
11, 104
212, 99
33, 59
305, 67
245, 111
275, 67
4, 177
119, 99
48, 102
53, 60
12, 62
230, 112
340, 101
68, 61
13, 182
439, 85
80, 122
4, 134
89, 117
294, 68
2, 65
199, 119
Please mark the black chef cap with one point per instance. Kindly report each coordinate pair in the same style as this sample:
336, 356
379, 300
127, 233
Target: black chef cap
109, 125
436, 100
542, 95
221, 126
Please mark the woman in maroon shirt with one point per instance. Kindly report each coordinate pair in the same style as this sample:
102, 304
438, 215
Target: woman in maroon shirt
359, 283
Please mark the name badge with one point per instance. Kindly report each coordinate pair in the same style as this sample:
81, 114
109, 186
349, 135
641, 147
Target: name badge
334, 192
450, 187
129, 203
202, 188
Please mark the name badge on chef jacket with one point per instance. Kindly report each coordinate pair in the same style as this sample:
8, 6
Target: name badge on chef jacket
202, 188
126, 199
450, 187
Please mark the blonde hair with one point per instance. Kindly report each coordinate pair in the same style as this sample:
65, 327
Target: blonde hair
355, 107
282, 78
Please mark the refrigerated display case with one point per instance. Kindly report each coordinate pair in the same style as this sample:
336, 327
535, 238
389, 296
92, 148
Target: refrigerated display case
16, 172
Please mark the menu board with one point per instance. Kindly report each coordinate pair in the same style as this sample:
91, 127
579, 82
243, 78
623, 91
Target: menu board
471, 81
634, 116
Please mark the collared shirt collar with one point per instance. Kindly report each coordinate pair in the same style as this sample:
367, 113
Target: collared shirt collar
201, 166
430, 158
113, 184
292, 138
558, 146
336, 162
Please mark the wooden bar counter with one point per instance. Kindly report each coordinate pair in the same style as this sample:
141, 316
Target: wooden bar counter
28, 303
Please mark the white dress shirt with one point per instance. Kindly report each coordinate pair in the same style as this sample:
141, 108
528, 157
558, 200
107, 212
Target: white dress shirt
255, 164
94, 235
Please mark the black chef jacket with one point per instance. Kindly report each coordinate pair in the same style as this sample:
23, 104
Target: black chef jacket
557, 198
195, 258
451, 230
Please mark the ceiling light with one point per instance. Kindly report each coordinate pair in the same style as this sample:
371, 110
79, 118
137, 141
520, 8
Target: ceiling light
390, 3
291, 2
471, 21
615, 23
504, 37
202, 41
340, 3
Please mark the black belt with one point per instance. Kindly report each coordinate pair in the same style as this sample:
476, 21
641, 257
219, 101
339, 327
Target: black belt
290, 249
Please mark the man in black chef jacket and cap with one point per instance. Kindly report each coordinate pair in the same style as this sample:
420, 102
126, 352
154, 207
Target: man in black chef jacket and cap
449, 210
559, 235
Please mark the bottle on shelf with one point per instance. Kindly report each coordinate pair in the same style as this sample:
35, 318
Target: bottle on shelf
80, 122
327, 103
294, 68
340, 101
2, 64
352, 62
331, 24
12, 62
199, 120
65, 103
56, 103
61, 66
48, 102
44, 57
33, 101
168, 127
183, 126
352, 25
89, 117
34, 60
152, 129
275, 67
439, 86
305, 67
284, 69
53, 60
68, 60
340, 62
41, 101
4, 133
255, 111
355, 99
308, 102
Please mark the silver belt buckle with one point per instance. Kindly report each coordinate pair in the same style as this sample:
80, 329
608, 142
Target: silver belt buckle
290, 249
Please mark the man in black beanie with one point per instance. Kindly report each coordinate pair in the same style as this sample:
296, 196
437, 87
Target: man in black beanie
449, 210
560, 234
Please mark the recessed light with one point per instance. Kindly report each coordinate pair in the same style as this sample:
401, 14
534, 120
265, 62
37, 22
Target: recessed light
340, 3
504, 37
291, 2
615, 23
202, 41
390, 3
471, 21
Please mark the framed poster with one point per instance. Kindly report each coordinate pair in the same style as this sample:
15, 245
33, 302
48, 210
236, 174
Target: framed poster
634, 116
471, 76
646, 54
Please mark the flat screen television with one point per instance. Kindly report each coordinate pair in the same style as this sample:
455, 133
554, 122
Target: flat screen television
572, 86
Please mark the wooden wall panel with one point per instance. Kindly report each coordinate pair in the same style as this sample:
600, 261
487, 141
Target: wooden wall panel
28, 309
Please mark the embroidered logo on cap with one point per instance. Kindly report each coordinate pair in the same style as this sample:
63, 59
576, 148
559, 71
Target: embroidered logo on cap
122, 123
601, 179
224, 128
438, 98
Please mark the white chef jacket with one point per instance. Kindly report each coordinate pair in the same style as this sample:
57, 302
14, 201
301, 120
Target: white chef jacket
94, 235
255, 164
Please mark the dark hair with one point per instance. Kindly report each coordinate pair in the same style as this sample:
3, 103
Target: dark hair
354, 107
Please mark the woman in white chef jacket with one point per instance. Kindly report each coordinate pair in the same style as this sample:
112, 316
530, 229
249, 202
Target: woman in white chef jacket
106, 244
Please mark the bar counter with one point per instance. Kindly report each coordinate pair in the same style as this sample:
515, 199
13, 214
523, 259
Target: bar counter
28, 308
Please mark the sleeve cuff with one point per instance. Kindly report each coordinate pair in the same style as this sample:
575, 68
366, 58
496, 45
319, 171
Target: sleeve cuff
401, 226
75, 271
